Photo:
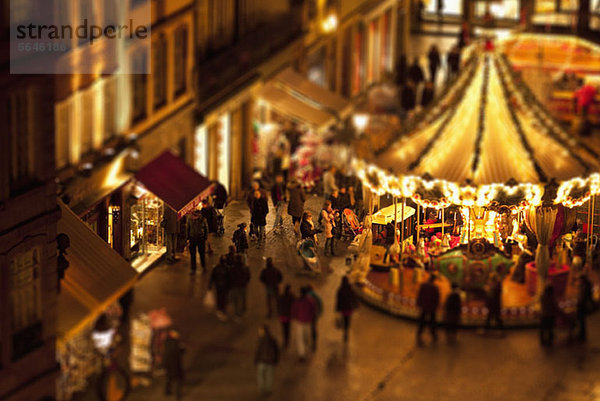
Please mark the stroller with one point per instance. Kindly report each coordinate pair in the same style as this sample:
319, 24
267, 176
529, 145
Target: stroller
307, 250
351, 227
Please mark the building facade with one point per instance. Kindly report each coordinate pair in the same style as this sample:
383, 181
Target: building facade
28, 217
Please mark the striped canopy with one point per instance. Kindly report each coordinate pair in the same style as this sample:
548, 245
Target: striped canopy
487, 134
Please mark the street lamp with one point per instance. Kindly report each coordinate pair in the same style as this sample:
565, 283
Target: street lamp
330, 23
360, 122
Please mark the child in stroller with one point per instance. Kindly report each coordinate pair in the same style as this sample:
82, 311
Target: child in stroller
351, 227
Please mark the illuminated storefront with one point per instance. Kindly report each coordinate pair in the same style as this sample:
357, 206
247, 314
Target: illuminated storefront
145, 234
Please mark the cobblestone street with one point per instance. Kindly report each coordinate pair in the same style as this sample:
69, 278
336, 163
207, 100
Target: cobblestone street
381, 361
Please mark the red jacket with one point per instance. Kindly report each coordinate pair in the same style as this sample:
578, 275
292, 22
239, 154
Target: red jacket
304, 310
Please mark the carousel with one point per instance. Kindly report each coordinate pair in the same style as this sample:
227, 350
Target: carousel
491, 187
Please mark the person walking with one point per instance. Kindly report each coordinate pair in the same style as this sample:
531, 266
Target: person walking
428, 299
296, 204
279, 199
346, 304
549, 311
494, 304
265, 359
585, 304
197, 234
284, 308
452, 310
239, 277
240, 239
220, 280
435, 62
230, 256
259, 211
271, 277
453, 61
415, 73
319, 303
173, 363
329, 182
428, 94
408, 97
304, 312
219, 196
250, 201
328, 222
171, 226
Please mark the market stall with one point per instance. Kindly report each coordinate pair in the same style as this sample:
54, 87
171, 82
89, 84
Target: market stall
489, 150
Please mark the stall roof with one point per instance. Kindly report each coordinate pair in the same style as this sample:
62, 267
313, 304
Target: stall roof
386, 215
97, 276
294, 95
176, 183
486, 139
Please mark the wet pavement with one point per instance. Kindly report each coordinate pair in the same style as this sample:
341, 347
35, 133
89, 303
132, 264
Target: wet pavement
380, 362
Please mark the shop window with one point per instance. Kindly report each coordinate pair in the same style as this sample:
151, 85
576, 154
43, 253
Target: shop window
63, 127
595, 6
25, 302
449, 7
159, 71
507, 9
551, 6
139, 85
86, 111
146, 235
181, 60
316, 67
21, 141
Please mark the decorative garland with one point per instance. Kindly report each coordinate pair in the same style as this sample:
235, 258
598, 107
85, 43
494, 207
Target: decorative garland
482, 105
517, 123
546, 120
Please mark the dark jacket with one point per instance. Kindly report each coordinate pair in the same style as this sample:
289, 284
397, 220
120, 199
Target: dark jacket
434, 59
277, 193
267, 350
306, 230
284, 305
220, 195
197, 228
169, 222
259, 211
343, 202
454, 61
250, 196
219, 277
240, 240
585, 300
210, 214
173, 358
549, 306
428, 297
389, 234
408, 98
452, 308
239, 275
271, 277
415, 73
494, 299
297, 199
427, 95
335, 201
346, 300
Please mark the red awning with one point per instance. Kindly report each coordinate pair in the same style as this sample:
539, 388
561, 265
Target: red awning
176, 183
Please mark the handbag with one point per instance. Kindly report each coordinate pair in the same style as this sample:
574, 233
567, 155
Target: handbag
209, 300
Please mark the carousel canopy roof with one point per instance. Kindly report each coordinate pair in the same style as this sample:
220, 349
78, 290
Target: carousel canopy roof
486, 140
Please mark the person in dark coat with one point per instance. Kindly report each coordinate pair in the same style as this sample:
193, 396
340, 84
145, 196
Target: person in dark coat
408, 97
452, 310
284, 309
173, 363
240, 239
428, 94
219, 278
334, 198
210, 214
307, 227
219, 195
271, 277
344, 199
494, 303
550, 311
428, 300
171, 226
346, 304
278, 196
239, 278
259, 211
230, 256
453, 61
296, 204
197, 235
250, 201
415, 72
265, 359
434, 62
585, 304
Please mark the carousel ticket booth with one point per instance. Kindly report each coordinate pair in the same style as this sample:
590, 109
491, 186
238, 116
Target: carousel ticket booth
483, 163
